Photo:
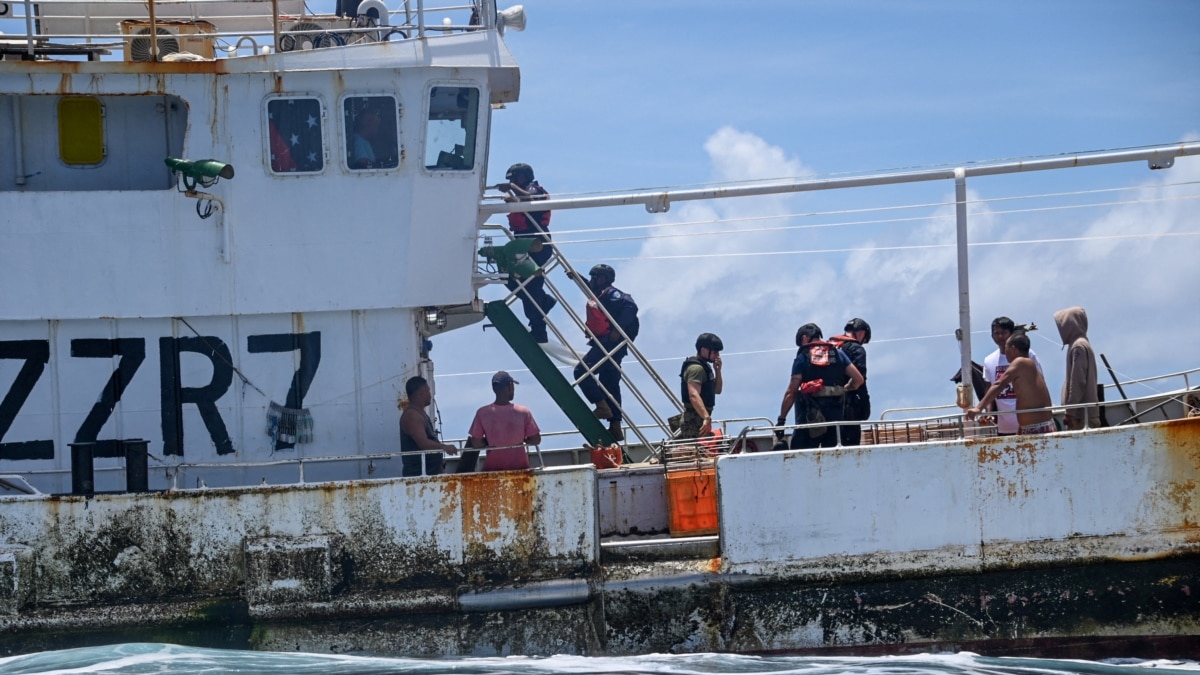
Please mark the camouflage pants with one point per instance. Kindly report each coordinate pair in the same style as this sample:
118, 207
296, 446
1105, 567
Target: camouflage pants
689, 426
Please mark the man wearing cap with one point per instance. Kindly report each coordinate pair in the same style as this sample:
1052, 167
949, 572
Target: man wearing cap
521, 187
504, 428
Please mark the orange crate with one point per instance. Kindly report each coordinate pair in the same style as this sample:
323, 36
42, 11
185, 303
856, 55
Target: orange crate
692, 501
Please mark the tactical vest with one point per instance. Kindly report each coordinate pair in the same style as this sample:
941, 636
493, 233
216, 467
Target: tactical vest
708, 392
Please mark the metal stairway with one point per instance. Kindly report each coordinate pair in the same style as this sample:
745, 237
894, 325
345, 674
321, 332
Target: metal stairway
509, 259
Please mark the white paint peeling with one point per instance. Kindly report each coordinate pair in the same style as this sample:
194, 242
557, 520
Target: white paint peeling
1115, 493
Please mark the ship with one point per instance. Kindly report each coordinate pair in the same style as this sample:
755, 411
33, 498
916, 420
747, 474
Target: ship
232, 229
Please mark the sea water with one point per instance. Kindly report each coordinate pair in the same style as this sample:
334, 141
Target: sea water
163, 658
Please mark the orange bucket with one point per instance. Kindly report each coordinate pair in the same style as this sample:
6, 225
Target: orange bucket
692, 502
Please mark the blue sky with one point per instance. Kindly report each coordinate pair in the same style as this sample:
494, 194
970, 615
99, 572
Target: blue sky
626, 95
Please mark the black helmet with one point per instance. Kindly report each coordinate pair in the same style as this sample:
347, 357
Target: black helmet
709, 341
812, 330
858, 324
604, 271
518, 169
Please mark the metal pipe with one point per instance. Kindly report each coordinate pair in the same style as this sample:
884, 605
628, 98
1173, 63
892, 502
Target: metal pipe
964, 281
554, 593
275, 22
1157, 155
153, 34
29, 28
18, 144
1120, 389
1161, 407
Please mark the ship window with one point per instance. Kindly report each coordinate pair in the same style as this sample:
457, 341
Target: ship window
294, 129
453, 121
81, 130
370, 129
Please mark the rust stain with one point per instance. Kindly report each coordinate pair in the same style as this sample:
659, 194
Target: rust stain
1024, 454
713, 565
298, 322
102, 68
278, 87
988, 453
498, 504
1181, 441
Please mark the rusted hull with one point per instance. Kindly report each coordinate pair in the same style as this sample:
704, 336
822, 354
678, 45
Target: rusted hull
1095, 549
1149, 610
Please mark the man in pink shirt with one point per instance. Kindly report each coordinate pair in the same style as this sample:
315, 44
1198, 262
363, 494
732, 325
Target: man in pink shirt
504, 428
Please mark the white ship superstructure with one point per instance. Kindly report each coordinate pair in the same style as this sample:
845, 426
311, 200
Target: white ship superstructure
138, 308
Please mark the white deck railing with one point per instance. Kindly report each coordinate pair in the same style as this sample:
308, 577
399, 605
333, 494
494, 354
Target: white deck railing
70, 29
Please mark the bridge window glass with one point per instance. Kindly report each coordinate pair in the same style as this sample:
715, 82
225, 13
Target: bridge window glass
370, 125
81, 130
295, 135
453, 122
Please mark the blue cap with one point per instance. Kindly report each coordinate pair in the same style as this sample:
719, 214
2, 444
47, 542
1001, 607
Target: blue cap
503, 379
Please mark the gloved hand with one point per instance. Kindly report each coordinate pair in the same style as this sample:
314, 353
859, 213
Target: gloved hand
811, 387
782, 421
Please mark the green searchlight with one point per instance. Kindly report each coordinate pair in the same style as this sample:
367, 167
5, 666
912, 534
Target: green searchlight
203, 171
513, 257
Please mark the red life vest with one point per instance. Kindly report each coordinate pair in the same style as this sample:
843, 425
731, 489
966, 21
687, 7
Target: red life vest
596, 321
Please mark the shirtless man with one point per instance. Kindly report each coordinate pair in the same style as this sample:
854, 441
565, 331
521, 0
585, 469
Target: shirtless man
1029, 385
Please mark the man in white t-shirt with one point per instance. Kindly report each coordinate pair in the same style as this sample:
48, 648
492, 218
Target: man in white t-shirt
993, 369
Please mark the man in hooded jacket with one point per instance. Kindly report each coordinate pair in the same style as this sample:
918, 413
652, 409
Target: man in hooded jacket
1080, 383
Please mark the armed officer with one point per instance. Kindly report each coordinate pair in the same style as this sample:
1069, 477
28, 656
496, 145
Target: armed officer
623, 311
699, 383
535, 301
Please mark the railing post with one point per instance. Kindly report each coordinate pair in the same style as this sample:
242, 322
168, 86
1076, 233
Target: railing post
29, 28
964, 290
153, 34
274, 26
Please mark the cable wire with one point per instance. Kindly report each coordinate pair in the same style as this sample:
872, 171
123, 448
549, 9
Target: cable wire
560, 241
